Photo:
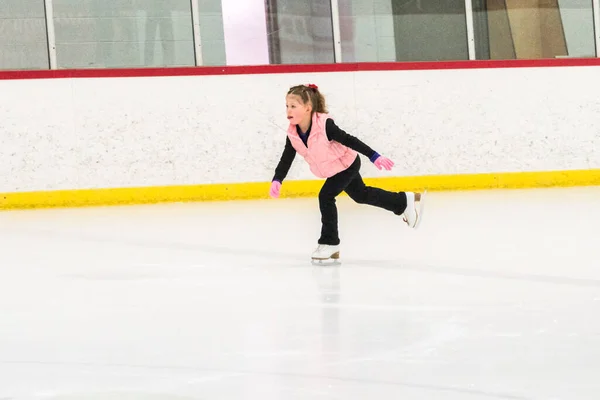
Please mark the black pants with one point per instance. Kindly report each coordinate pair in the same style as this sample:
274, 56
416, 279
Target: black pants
351, 182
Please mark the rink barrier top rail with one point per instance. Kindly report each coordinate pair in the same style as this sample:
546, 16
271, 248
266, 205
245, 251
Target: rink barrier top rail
295, 68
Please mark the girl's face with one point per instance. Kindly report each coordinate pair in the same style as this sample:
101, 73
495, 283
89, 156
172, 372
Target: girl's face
296, 110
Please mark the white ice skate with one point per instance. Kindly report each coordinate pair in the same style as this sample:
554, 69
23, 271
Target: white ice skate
413, 216
326, 254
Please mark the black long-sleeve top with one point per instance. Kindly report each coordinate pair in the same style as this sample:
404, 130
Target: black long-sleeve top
333, 133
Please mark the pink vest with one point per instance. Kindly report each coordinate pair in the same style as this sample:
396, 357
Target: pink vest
325, 158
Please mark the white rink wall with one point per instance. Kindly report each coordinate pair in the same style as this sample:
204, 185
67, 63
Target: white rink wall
125, 132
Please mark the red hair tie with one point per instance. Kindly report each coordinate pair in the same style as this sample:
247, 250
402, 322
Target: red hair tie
313, 86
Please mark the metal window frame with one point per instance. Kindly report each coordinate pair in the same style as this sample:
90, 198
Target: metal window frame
197, 39
50, 33
596, 20
470, 29
337, 39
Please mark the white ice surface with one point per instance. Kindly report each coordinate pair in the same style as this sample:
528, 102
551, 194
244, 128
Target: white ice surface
496, 296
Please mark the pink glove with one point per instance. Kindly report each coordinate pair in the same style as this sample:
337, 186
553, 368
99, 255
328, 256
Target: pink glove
275, 188
384, 162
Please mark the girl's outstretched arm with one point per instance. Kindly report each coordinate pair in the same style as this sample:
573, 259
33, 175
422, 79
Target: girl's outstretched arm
285, 162
339, 135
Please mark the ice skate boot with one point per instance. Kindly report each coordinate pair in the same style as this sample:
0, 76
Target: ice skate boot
326, 254
414, 209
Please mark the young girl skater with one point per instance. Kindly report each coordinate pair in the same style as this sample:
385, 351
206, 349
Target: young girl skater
332, 154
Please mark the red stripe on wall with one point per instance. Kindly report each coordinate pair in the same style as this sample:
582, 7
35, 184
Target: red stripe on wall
294, 68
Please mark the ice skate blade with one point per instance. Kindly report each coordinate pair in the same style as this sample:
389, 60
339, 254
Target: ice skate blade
334, 256
333, 260
325, 262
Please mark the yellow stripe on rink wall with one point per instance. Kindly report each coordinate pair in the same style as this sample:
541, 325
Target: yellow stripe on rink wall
309, 188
